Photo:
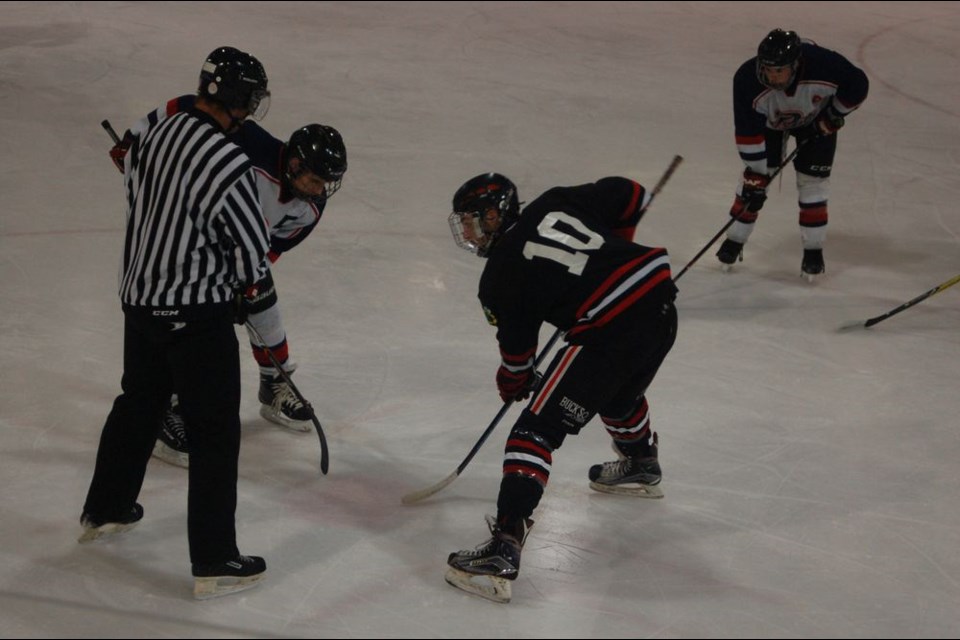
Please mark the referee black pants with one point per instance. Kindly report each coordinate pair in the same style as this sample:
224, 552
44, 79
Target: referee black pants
194, 354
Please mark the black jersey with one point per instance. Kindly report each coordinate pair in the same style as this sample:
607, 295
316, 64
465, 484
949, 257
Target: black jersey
569, 261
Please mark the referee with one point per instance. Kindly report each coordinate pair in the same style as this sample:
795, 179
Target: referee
195, 235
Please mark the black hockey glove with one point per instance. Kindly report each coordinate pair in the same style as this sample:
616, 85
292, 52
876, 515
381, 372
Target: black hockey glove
754, 190
516, 385
119, 150
241, 308
246, 302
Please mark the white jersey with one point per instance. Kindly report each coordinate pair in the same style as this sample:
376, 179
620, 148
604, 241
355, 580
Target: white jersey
822, 77
289, 219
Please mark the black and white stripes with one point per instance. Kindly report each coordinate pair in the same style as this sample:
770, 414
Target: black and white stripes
195, 229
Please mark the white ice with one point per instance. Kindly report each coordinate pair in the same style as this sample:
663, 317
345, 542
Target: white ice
812, 478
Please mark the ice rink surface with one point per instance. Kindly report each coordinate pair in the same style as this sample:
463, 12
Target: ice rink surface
811, 476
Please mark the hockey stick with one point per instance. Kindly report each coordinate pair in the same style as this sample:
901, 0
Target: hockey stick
736, 218
864, 324
324, 454
113, 134
659, 186
417, 496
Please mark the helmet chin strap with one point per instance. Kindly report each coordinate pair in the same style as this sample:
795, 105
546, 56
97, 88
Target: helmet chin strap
235, 122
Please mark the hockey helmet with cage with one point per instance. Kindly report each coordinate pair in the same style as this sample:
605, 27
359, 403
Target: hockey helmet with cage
474, 227
777, 50
319, 149
236, 80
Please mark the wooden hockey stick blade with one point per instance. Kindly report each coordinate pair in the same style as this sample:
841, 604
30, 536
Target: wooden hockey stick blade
417, 496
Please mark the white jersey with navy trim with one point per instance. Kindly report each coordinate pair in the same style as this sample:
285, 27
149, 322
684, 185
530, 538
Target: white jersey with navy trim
823, 77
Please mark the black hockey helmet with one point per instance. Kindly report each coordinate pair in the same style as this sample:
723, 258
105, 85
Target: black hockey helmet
236, 80
472, 226
319, 149
778, 49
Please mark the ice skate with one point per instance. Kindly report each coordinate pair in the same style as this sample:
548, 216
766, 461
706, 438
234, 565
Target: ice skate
729, 253
812, 266
635, 475
95, 528
280, 405
224, 578
171, 445
488, 570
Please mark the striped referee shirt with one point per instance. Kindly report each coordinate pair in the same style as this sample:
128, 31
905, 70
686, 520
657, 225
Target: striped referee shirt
195, 229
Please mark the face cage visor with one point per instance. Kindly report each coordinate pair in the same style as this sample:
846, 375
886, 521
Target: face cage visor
259, 104
330, 185
779, 86
467, 232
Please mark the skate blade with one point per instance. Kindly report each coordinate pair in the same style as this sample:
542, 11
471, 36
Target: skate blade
811, 277
214, 587
726, 268
300, 426
490, 587
633, 489
104, 531
171, 456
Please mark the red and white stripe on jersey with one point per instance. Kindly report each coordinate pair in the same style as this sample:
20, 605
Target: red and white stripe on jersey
631, 428
526, 457
624, 287
639, 199
550, 384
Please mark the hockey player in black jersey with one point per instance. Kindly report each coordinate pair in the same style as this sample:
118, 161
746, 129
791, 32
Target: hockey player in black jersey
790, 88
568, 260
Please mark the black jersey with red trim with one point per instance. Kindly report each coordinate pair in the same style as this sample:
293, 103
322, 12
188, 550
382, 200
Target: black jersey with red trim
569, 261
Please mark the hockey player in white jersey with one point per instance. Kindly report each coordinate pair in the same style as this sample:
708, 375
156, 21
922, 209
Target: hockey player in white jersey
294, 181
790, 88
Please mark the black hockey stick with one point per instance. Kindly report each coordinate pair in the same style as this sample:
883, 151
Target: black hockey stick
736, 218
324, 454
417, 496
659, 186
864, 324
113, 134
